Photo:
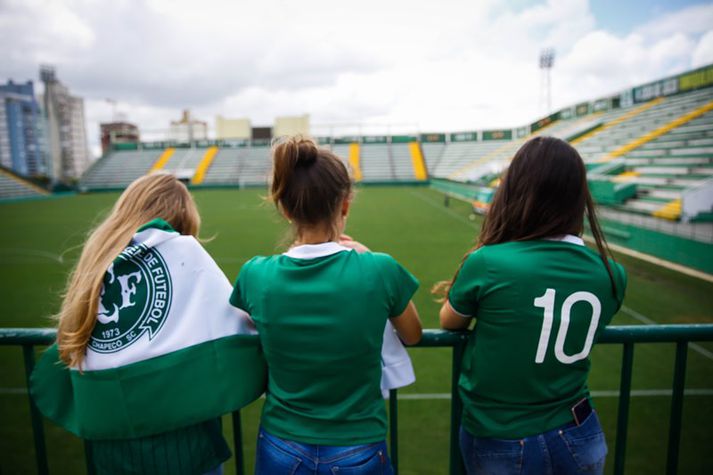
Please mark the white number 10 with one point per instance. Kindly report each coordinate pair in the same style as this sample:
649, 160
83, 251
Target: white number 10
547, 301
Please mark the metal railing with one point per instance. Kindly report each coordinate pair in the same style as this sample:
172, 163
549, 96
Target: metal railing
627, 336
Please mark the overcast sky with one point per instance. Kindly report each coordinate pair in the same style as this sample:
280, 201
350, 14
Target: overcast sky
418, 66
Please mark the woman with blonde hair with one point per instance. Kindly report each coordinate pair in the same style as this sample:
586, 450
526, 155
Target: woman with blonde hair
151, 353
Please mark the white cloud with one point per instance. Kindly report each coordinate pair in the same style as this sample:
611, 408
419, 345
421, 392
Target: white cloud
446, 66
703, 54
694, 19
601, 63
56, 34
555, 23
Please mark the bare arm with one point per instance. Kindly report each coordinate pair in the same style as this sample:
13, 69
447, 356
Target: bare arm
451, 320
408, 325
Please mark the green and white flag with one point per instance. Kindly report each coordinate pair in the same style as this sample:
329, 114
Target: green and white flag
167, 350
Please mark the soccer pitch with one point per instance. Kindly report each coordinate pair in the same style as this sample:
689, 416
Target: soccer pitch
40, 242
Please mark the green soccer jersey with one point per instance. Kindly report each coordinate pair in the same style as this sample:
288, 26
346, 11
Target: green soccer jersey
320, 311
539, 306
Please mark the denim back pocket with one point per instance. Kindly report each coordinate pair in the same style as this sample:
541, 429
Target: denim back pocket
376, 463
586, 444
497, 456
274, 456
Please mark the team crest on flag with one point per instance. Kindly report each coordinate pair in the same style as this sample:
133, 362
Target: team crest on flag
163, 326
135, 299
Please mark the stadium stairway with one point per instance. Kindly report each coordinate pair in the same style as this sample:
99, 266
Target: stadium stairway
468, 161
163, 159
14, 187
420, 170
662, 148
204, 165
404, 162
225, 167
654, 134
355, 161
243, 166
184, 162
637, 122
667, 161
385, 162
617, 118
118, 169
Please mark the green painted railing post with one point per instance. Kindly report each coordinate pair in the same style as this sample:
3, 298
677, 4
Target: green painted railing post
456, 461
622, 424
394, 430
38, 430
238, 443
89, 459
674, 433
625, 335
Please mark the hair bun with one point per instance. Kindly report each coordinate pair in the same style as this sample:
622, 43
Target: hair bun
305, 152
309, 184
293, 152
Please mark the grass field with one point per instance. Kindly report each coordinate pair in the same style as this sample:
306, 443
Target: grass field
39, 243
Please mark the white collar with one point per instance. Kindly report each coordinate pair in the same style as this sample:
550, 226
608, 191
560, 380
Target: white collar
570, 238
312, 251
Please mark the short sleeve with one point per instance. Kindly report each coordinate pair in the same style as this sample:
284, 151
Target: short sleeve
238, 296
400, 284
469, 284
621, 284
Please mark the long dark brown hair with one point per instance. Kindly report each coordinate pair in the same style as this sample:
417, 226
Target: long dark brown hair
543, 193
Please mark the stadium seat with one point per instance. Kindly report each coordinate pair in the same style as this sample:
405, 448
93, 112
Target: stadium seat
13, 187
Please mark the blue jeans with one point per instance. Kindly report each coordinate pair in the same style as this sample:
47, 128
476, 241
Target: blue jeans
569, 449
276, 456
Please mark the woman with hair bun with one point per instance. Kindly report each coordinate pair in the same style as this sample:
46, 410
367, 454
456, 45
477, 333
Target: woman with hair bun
320, 310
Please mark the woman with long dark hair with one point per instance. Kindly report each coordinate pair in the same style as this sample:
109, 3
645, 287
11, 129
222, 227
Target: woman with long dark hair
540, 297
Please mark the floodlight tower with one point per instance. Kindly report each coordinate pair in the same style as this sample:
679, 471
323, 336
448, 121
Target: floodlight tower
547, 60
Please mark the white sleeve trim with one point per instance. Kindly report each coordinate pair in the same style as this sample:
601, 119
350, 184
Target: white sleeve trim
456, 311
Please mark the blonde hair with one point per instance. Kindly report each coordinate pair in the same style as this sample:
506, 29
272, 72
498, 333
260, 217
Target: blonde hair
158, 195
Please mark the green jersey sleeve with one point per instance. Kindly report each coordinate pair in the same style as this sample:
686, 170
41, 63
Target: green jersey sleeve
621, 282
400, 283
237, 297
469, 284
